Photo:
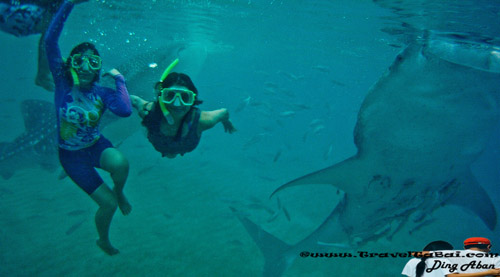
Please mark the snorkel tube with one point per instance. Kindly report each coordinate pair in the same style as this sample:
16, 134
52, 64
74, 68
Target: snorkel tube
76, 81
164, 110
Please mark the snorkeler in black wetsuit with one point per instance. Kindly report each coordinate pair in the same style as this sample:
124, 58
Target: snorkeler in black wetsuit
173, 120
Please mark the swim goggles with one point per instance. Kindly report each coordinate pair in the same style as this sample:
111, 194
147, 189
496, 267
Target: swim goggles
186, 96
94, 61
76, 114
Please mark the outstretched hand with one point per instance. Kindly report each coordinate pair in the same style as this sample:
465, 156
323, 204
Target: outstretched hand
112, 73
141, 105
228, 126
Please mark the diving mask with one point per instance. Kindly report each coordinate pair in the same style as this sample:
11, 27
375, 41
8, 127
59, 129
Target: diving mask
186, 96
78, 60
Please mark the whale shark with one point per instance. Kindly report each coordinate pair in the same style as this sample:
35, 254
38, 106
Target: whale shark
418, 130
37, 145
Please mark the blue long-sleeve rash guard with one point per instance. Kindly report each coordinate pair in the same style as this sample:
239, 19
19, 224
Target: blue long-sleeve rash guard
79, 111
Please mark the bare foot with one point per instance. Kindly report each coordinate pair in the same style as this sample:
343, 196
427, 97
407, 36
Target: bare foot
123, 203
45, 82
107, 247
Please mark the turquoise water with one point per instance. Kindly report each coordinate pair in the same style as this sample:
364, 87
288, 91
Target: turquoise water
293, 75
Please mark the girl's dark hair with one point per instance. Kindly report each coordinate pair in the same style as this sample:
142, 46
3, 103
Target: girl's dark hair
84, 46
433, 246
153, 119
80, 49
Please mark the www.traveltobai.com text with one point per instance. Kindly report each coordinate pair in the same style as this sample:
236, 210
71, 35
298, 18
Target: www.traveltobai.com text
360, 254
408, 254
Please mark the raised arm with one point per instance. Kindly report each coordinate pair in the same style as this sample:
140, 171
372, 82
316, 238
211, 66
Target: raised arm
52, 35
209, 119
51, 40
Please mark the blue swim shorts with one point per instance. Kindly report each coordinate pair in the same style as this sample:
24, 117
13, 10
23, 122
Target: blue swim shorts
80, 164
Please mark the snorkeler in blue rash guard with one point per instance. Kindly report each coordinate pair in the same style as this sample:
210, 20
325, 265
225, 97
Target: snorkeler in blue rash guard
29, 17
80, 103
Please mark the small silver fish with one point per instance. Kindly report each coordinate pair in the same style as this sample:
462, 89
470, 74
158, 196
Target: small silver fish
74, 227
287, 113
322, 68
76, 212
277, 156
273, 216
318, 129
287, 215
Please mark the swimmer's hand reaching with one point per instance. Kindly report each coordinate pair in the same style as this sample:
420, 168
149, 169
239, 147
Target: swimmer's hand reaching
228, 126
140, 105
112, 73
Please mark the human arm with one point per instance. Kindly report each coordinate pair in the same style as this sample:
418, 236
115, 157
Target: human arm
43, 76
52, 36
489, 272
53, 53
142, 106
53, 32
209, 119
118, 101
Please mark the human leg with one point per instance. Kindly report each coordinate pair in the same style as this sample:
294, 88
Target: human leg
117, 165
78, 165
107, 202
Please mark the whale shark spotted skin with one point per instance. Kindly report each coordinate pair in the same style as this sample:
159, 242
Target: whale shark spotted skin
419, 129
37, 145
